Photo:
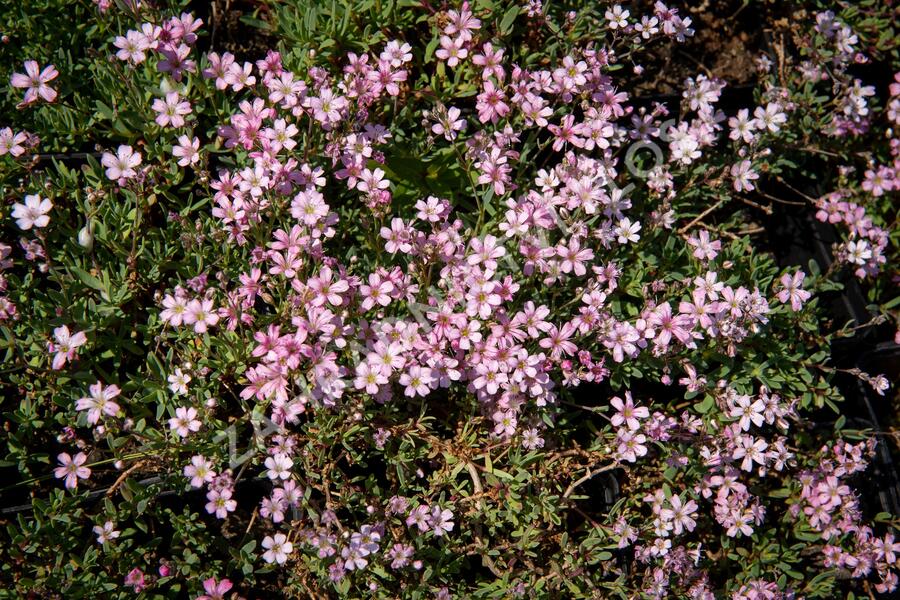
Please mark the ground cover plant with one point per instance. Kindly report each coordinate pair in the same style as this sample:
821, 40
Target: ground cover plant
423, 299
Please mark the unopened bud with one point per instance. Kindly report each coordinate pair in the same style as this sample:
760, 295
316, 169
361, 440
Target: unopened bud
86, 237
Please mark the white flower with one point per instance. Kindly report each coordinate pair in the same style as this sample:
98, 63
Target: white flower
858, 252
627, 231
277, 548
33, 213
617, 17
279, 466
106, 533
880, 384
178, 382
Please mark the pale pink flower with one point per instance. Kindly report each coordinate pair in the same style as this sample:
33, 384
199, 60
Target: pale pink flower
65, 346
33, 213
132, 46
792, 290
743, 175
175, 309
35, 81
627, 413
12, 143
178, 382
72, 469
680, 515
187, 151
277, 548
220, 502
199, 471
185, 421
417, 381
200, 314
215, 590
630, 445
452, 50
106, 533
279, 466
171, 110
747, 411
100, 402
122, 164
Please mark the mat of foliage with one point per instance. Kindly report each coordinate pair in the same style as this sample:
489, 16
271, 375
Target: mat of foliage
427, 299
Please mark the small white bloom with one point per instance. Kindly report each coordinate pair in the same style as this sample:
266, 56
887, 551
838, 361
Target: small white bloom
277, 548
178, 382
33, 213
106, 533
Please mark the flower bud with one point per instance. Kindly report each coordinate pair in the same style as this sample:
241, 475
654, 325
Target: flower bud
86, 237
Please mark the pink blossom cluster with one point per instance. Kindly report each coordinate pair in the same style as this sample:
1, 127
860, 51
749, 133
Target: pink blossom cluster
547, 286
864, 249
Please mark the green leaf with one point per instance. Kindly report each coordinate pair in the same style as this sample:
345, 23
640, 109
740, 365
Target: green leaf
508, 18
705, 406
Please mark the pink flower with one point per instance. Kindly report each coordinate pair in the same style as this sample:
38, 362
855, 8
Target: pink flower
376, 292
215, 590
630, 445
277, 548
35, 82
106, 533
452, 50
627, 413
199, 471
279, 466
327, 107
792, 290
420, 517
99, 403
121, 166
750, 450
175, 309
171, 110
371, 181
12, 143
449, 123
490, 104
132, 46
744, 175
397, 236
557, 340
441, 521
369, 378
65, 346
220, 502
573, 257
72, 469
490, 62
680, 515
187, 151
485, 252
135, 579
309, 206
200, 314
748, 411
417, 380
704, 248
185, 421
33, 213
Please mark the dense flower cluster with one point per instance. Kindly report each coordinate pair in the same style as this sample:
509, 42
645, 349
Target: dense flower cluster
409, 337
